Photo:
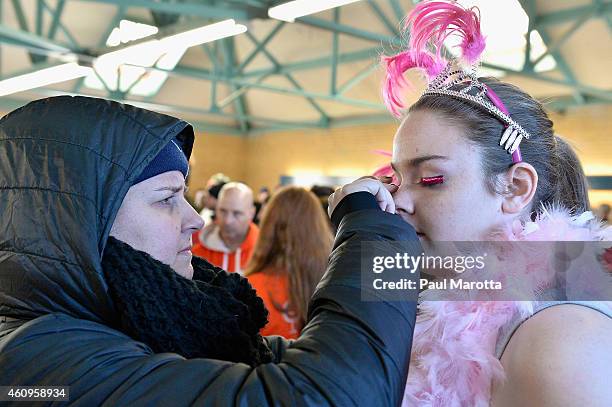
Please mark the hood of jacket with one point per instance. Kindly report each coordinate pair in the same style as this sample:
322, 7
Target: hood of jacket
66, 163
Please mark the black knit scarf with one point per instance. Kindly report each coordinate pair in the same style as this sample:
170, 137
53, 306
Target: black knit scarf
216, 315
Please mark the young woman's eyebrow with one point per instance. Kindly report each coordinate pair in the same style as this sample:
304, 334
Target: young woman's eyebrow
415, 162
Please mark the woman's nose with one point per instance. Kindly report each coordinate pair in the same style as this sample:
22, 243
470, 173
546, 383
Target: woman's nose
404, 201
193, 219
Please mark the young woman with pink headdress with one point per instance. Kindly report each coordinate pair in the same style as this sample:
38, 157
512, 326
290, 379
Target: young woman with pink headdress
476, 159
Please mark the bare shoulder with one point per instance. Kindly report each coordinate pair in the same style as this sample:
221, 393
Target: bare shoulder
562, 356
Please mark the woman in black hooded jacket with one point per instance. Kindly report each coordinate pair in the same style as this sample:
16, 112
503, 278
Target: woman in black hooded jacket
81, 305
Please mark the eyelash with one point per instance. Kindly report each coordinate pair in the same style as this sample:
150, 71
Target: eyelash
431, 181
167, 200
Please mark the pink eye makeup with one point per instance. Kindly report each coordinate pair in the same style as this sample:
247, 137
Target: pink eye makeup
428, 181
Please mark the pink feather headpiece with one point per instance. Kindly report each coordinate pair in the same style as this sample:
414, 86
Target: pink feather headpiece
430, 23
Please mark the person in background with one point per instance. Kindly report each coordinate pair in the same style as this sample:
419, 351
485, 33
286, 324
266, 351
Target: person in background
603, 212
322, 193
216, 179
206, 201
209, 213
290, 257
229, 241
264, 195
262, 199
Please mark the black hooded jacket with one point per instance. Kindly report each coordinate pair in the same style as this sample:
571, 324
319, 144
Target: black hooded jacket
66, 164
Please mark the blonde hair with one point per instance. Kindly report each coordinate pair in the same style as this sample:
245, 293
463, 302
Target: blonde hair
295, 237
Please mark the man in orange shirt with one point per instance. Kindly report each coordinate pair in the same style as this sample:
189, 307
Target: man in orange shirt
229, 242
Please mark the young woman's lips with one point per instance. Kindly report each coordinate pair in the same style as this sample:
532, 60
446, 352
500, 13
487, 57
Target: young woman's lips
186, 250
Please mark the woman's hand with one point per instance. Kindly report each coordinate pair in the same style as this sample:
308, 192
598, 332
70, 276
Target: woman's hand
380, 187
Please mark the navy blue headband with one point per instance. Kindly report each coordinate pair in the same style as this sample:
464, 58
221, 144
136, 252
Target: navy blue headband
170, 158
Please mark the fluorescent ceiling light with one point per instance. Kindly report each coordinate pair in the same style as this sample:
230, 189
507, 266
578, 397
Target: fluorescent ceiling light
125, 69
115, 67
43, 77
154, 49
299, 8
202, 35
505, 24
129, 31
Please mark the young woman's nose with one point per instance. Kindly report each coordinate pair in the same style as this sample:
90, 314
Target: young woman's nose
404, 201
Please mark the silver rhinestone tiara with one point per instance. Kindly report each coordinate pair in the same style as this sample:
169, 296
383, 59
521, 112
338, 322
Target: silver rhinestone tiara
476, 92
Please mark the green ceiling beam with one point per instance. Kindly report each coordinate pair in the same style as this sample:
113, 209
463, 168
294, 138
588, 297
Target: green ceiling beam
29, 40
39, 17
382, 17
373, 54
119, 15
351, 31
35, 67
554, 46
358, 78
600, 93
214, 106
335, 49
229, 57
207, 75
260, 46
562, 66
57, 24
56, 19
323, 62
568, 15
608, 16
240, 91
288, 76
201, 74
333, 123
211, 56
271, 125
23, 25
199, 9
233, 72
310, 100
7, 104
21, 19
178, 111
398, 10
561, 104
529, 7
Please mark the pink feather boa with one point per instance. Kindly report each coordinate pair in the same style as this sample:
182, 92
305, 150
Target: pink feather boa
453, 360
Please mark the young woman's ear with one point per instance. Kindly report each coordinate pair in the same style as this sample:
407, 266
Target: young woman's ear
520, 187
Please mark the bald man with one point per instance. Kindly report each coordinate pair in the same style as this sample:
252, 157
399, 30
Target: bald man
229, 242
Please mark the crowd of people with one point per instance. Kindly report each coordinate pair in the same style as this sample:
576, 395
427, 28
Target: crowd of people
280, 242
